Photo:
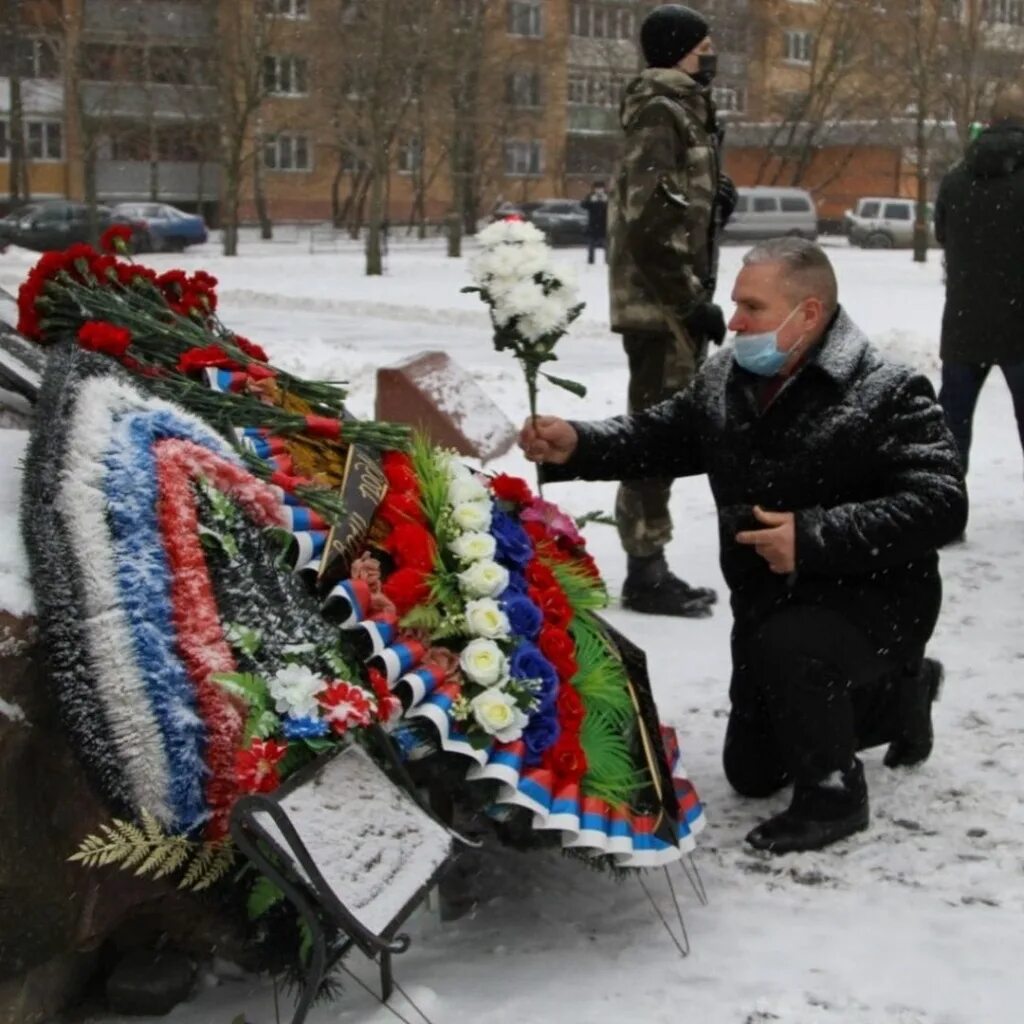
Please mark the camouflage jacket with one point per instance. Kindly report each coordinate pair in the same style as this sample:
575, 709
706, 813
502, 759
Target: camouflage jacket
660, 239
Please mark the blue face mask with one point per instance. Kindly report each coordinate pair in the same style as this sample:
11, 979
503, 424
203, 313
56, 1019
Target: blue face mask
760, 354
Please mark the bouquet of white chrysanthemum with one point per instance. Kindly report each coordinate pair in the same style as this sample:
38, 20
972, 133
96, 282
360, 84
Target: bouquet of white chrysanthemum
533, 300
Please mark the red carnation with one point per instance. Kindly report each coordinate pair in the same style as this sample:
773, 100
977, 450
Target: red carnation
196, 359
252, 350
412, 546
399, 471
570, 708
536, 531
400, 507
559, 648
406, 588
511, 488
256, 768
99, 336
566, 758
117, 238
552, 602
540, 576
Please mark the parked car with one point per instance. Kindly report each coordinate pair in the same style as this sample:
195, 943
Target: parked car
885, 222
168, 228
769, 212
57, 223
563, 221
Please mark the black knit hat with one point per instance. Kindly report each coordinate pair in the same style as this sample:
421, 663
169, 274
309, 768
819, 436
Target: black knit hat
669, 33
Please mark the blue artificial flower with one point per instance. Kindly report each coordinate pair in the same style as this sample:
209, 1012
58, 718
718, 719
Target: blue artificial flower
305, 728
516, 582
524, 617
514, 545
527, 662
540, 734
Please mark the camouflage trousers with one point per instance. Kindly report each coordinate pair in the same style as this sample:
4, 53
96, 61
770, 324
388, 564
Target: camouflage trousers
659, 366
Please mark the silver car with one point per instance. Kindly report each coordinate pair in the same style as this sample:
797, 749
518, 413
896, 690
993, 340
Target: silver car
886, 222
768, 212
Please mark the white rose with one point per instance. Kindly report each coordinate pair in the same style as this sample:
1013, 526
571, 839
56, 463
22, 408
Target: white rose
485, 618
466, 489
472, 516
474, 547
456, 469
496, 713
294, 690
484, 662
484, 579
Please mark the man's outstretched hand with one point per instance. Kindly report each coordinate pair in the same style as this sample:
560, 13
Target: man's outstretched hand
776, 543
548, 439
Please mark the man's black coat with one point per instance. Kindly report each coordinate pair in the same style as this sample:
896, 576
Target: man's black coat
979, 221
855, 445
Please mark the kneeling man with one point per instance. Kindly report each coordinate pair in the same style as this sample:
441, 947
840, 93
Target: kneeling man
836, 481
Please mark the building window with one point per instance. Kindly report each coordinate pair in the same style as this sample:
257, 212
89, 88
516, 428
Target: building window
287, 152
728, 99
1003, 12
32, 58
524, 158
44, 140
595, 89
592, 19
522, 89
410, 155
524, 18
285, 76
298, 9
798, 47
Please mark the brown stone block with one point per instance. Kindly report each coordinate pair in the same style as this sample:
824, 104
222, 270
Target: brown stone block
435, 395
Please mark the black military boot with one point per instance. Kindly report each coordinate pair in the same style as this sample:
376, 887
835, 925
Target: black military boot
818, 814
652, 588
914, 736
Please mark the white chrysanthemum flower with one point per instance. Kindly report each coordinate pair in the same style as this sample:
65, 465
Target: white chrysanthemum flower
484, 579
495, 711
294, 690
473, 547
484, 662
472, 516
466, 488
547, 316
503, 232
456, 469
485, 618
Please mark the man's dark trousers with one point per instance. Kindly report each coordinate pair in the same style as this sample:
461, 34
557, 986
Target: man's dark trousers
961, 386
809, 690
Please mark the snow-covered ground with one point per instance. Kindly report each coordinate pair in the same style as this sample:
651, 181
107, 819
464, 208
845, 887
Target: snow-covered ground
918, 921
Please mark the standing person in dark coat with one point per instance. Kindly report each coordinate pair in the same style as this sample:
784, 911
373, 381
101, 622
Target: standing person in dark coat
836, 481
979, 220
596, 205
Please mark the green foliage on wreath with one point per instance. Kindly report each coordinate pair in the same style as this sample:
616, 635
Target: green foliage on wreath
147, 851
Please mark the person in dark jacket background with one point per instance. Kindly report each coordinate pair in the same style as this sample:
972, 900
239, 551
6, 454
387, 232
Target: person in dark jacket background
979, 221
836, 481
596, 205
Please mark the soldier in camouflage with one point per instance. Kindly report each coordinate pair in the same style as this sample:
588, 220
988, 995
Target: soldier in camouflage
669, 202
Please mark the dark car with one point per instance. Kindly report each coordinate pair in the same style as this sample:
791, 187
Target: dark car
58, 223
563, 221
169, 229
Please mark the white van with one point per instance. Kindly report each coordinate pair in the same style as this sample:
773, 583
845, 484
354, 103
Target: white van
769, 212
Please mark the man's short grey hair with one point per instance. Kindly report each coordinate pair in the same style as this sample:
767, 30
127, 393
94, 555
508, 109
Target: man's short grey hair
1009, 104
805, 266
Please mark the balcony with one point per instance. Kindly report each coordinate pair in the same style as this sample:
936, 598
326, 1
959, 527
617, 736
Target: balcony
142, 100
148, 19
593, 120
121, 180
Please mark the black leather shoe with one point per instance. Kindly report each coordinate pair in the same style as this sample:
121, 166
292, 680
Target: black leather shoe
818, 815
913, 742
652, 588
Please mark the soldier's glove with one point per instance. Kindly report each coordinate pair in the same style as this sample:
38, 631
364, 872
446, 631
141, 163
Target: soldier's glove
706, 323
726, 198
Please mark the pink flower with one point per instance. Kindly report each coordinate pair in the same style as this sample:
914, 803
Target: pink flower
553, 518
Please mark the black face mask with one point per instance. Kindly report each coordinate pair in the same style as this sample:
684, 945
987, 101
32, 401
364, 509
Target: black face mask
707, 68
